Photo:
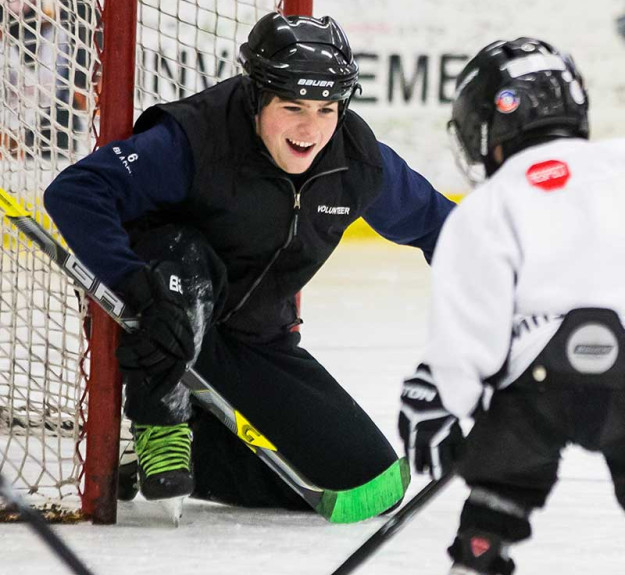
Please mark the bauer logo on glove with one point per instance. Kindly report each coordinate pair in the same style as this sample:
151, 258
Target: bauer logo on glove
175, 284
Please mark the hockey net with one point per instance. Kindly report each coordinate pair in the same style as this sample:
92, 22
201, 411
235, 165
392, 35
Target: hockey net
53, 111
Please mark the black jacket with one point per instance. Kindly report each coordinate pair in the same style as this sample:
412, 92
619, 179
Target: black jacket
271, 236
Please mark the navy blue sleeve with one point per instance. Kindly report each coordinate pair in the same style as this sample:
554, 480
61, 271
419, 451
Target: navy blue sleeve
119, 182
408, 210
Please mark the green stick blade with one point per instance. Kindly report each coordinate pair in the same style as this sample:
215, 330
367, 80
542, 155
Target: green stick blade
368, 500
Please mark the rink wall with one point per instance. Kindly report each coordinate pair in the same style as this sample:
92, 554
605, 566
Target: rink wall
410, 52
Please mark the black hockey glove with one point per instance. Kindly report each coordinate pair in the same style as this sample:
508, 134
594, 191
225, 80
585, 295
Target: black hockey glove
432, 436
157, 353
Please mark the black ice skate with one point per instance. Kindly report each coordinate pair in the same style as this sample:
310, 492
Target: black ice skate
480, 553
164, 457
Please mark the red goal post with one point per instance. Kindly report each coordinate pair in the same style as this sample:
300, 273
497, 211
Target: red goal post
74, 74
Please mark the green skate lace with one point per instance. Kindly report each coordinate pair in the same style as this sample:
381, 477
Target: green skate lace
161, 449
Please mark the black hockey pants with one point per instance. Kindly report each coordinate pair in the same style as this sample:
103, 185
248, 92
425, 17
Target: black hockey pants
514, 449
280, 388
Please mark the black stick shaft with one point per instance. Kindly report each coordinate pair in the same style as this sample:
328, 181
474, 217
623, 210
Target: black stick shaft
38, 524
393, 525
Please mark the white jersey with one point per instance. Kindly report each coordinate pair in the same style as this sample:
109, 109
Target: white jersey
544, 235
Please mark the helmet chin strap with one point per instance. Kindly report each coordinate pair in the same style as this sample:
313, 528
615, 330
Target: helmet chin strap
344, 105
491, 165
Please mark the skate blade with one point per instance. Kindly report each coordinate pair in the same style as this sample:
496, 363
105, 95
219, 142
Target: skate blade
173, 507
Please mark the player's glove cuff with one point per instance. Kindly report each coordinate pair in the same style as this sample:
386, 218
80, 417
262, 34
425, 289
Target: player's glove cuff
432, 436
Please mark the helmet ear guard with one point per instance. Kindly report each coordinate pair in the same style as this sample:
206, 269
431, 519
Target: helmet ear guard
473, 169
515, 94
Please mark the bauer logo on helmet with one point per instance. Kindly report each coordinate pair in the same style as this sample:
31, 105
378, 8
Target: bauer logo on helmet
316, 83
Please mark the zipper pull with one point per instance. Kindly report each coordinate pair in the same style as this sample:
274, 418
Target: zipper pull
294, 224
294, 221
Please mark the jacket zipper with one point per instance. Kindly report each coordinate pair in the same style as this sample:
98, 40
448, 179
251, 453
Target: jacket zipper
290, 237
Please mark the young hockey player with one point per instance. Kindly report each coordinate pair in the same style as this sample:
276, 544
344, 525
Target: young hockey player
209, 220
527, 301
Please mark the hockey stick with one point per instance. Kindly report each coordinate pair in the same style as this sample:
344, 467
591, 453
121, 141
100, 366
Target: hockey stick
38, 524
337, 506
393, 525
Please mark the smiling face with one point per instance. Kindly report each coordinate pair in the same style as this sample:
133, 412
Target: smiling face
295, 131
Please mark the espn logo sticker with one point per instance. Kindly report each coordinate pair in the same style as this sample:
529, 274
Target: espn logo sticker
548, 176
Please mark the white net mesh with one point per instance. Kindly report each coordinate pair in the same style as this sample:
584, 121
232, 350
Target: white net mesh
47, 59
48, 120
187, 45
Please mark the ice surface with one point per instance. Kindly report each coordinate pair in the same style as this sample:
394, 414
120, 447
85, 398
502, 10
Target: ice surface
364, 320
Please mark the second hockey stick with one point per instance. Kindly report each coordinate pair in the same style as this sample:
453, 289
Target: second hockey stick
39, 525
393, 525
337, 506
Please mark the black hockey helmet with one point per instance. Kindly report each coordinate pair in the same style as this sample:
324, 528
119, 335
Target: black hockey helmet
300, 57
512, 93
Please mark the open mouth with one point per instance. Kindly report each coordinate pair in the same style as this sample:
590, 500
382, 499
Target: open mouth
299, 146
